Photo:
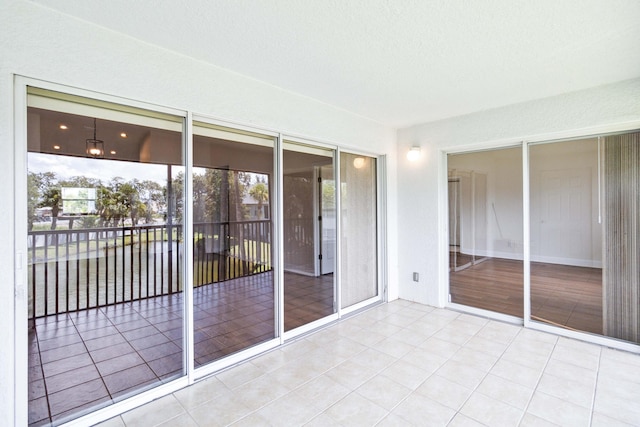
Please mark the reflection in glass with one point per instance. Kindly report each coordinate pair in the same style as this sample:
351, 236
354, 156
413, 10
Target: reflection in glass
566, 238
309, 230
485, 230
232, 271
105, 256
358, 221
584, 240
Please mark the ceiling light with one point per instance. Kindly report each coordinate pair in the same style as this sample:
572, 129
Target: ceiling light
64, 127
95, 147
413, 154
112, 151
123, 135
56, 147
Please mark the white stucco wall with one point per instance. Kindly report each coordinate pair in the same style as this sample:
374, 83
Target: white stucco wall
420, 219
39, 43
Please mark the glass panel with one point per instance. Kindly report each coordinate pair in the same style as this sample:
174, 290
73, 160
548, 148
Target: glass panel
584, 244
485, 230
232, 271
358, 222
309, 234
105, 245
566, 239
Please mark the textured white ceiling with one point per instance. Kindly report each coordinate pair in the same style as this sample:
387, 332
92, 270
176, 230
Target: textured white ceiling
399, 62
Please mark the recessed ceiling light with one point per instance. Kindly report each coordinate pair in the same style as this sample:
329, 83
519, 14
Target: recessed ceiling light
112, 152
123, 135
56, 147
64, 127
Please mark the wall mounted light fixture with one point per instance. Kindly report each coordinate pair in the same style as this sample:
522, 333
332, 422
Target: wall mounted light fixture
413, 154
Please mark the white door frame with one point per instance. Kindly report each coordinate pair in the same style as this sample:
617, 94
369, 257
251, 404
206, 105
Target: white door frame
443, 235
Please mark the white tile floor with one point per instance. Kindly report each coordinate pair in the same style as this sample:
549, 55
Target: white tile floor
405, 364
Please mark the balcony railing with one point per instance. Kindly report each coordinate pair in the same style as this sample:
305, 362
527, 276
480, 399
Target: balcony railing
71, 270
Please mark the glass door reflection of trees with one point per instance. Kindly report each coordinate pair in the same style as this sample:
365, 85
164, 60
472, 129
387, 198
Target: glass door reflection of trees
234, 299
105, 264
485, 230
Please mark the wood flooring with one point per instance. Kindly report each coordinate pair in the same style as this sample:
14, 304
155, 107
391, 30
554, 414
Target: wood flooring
566, 296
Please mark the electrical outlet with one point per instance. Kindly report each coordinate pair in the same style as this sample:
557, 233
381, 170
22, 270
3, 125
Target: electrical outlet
416, 277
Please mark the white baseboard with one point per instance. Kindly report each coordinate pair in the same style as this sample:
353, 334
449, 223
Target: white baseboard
539, 258
567, 261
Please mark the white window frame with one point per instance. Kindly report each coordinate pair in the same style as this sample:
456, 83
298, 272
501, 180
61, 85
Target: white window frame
21, 83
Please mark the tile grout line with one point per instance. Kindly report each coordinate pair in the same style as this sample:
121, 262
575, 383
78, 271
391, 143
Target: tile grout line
595, 388
296, 340
426, 379
300, 339
555, 344
485, 375
44, 378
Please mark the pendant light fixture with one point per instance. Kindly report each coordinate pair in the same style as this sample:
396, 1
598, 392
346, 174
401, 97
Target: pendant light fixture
95, 147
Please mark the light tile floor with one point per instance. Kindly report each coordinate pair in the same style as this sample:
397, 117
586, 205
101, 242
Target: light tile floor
402, 364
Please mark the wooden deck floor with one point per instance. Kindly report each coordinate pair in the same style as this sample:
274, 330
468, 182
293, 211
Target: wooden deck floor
562, 295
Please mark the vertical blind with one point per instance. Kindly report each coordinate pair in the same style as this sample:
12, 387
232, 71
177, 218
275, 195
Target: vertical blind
621, 253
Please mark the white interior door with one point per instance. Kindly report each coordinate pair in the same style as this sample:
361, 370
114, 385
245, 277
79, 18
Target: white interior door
564, 225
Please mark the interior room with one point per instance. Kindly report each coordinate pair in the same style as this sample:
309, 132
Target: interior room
320, 213
566, 238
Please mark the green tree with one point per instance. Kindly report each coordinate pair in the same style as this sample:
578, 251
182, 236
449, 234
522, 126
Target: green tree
38, 183
82, 182
113, 202
150, 194
129, 202
32, 198
200, 198
260, 192
105, 206
52, 198
174, 195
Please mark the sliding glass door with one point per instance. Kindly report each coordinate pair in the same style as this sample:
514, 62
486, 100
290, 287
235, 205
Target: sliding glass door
309, 230
132, 250
584, 233
485, 230
105, 260
585, 228
358, 221
234, 292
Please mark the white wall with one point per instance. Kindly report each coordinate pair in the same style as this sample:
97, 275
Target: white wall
39, 43
503, 210
422, 184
